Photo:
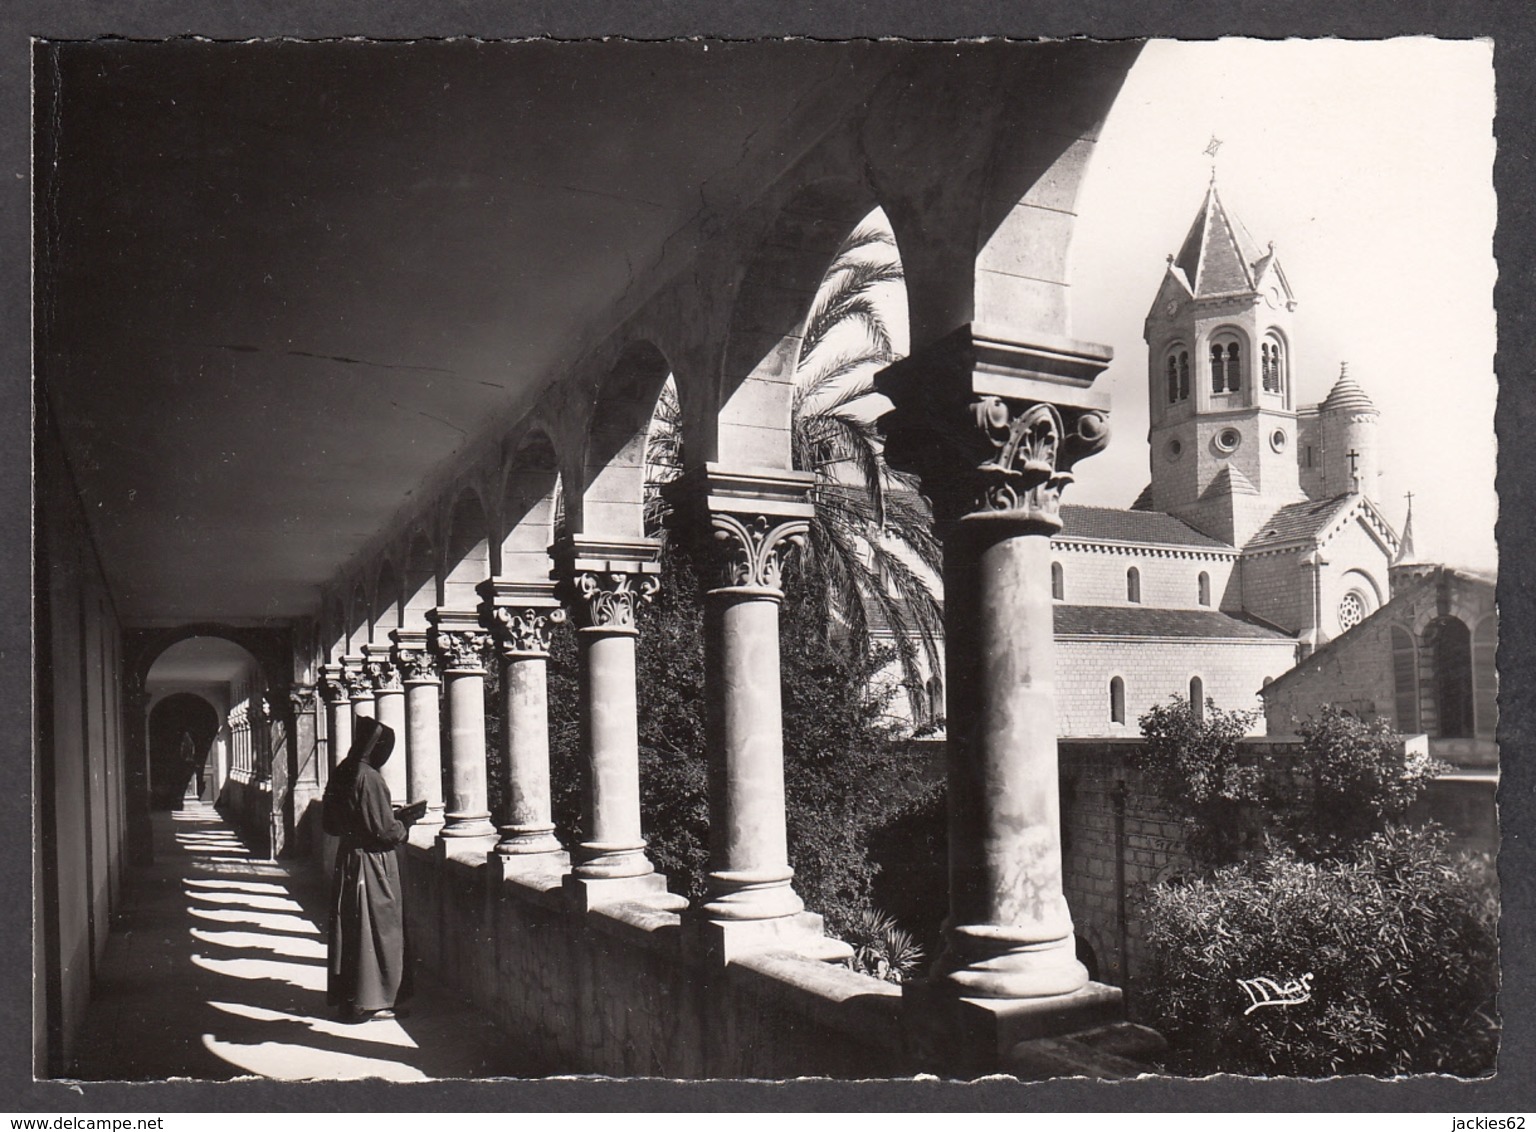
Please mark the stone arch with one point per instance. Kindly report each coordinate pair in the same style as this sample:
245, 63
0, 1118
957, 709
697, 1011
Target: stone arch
979, 167
467, 552
1448, 642
180, 713
768, 319
530, 492
333, 631
609, 499
420, 578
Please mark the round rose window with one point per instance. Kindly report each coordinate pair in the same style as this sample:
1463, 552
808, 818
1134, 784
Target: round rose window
1351, 611
1228, 439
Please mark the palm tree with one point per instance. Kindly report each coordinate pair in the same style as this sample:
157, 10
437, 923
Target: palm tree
870, 542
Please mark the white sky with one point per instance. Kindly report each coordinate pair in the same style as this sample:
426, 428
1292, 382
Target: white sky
1370, 167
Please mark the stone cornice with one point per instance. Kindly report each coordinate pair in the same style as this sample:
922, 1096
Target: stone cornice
1147, 550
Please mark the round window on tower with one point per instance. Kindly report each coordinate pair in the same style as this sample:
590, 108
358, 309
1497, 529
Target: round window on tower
1351, 611
1227, 440
1277, 440
1175, 448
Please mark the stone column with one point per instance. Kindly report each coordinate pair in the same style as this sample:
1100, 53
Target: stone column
522, 616
359, 688
389, 709
338, 712
604, 581
423, 730
460, 644
993, 428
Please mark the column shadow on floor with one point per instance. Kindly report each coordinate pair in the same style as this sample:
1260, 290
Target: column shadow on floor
216, 970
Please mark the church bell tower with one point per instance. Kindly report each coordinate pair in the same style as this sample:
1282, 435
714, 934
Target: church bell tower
1222, 398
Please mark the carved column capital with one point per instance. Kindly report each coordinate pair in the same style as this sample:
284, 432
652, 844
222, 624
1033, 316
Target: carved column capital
525, 630
355, 676
460, 649
332, 686
412, 657
302, 697
384, 676
605, 581
751, 550
993, 428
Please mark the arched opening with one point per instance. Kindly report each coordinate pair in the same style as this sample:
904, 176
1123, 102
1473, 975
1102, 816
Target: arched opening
1058, 582
469, 554
611, 501
1197, 698
182, 728
1272, 364
420, 582
1133, 585
387, 604
935, 691
1203, 586
1450, 645
1116, 700
1226, 363
529, 497
207, 725
1405, 681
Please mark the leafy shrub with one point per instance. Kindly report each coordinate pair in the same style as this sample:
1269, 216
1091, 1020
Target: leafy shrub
1359, 781
1194, 763
1400, 938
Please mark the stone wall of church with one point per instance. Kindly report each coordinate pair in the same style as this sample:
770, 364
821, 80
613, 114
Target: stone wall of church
1232, 672
1098, 577
1278, 588
1354, 561
1355, 673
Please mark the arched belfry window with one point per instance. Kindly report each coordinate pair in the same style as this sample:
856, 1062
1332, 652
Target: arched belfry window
1133, 584
1197, 698
1405, 680
1178, 376
1204, 584
1272, 366
1226, 365
1117, 700
1058, 582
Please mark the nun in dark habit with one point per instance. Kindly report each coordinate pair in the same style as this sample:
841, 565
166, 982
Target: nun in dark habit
366, 948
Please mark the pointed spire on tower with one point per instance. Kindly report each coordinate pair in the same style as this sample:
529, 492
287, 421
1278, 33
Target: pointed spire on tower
1405, 552
1219, 256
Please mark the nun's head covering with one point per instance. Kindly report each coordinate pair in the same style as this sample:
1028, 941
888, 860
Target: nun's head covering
372, 742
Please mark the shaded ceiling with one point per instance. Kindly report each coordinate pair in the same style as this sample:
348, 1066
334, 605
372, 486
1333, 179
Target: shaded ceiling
280, 283
200, 660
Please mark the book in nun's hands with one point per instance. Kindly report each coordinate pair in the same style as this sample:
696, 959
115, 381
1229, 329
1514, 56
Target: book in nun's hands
411, 813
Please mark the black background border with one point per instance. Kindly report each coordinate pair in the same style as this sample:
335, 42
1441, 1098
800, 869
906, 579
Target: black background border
1512, 26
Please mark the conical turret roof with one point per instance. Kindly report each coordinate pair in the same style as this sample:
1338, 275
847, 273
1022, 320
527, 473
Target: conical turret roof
1347, 396
1219, 256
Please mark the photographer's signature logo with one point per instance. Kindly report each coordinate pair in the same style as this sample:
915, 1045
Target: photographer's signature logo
1267, 992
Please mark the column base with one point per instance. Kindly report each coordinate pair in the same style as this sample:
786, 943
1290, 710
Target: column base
586, 893
990, 961
468, 825
598, 860
975, 1036
803, 933
458, 847
750, 896
518, 841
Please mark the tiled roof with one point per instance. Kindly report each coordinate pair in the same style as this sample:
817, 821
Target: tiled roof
1218, 256
1138, 621
1297, 521
1152, 528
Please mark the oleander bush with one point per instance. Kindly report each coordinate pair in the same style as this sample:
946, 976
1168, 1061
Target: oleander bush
1399, 937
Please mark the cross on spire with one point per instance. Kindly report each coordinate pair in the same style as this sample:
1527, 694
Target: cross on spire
1210, 151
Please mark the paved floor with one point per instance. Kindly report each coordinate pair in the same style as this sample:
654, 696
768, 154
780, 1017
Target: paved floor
216, 970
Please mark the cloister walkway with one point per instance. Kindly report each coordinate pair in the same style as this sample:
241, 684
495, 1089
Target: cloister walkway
216, 970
